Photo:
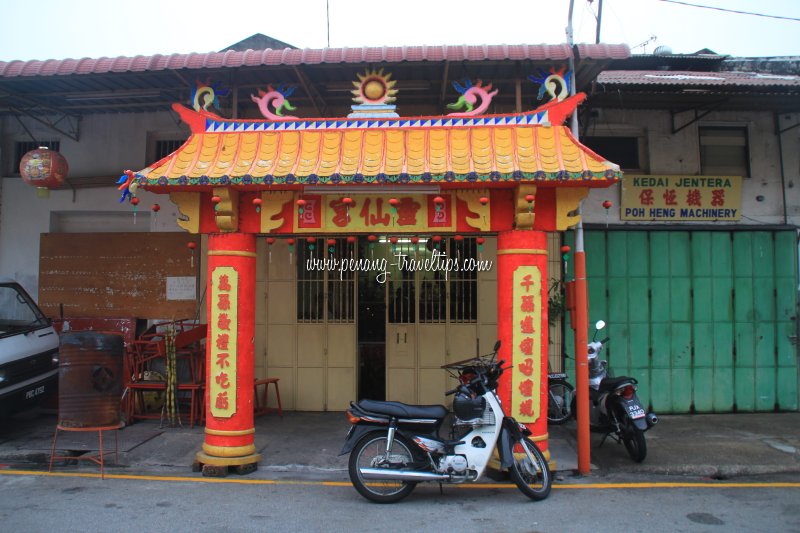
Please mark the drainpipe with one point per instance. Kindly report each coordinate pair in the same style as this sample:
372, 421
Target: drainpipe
580, 317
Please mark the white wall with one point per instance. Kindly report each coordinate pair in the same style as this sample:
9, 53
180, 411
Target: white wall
679, 153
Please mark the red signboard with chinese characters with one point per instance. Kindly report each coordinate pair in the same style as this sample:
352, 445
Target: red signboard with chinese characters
224, 309
681, 198
527, 344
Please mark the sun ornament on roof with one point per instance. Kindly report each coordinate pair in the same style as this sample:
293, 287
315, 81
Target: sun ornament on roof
373, 94
206, 94
277, 98
469, 97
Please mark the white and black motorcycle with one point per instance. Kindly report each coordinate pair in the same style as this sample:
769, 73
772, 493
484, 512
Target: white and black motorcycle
614, 407
393, 446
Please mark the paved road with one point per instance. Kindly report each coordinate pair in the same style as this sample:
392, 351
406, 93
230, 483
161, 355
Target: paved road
34, 502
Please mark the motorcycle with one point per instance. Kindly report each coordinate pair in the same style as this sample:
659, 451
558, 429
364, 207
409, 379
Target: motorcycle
393, 446
559, 398
614, 407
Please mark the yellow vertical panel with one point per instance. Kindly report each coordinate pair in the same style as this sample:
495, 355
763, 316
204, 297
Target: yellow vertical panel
280, 345
487, 296
504, 148
330, 153
245, 153
286, 377
400, 347
281, 302
401, 385
526, 149
279, 267
342, 345
373, 152
310, 142
432, 386
341, 388
288, 153
351, 152
547, 149
310, 345
266, 158
460, 151
482, 151
432, 344
225, 156
461, 340
437, 151
395, 152
310, 394
488, 336
416, 151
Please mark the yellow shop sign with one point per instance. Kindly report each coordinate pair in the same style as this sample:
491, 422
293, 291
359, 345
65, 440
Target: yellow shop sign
681, 198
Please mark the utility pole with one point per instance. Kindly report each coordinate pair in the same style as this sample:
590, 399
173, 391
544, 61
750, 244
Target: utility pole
580, 318
599, 20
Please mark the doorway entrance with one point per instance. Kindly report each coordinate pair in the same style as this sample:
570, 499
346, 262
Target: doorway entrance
371, 324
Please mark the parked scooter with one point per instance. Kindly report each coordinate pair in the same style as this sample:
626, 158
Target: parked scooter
393, 445
614, 408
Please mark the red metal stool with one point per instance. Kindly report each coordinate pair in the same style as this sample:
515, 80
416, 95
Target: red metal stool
98, 458
260, 405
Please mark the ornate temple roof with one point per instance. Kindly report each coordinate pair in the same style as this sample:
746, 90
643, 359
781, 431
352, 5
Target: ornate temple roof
530, 147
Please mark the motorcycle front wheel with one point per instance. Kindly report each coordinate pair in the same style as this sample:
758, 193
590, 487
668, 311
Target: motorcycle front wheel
559, 402
530, 471
370, 452
633, 439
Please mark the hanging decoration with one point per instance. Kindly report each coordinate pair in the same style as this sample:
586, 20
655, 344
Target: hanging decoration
351, 240
290, 241
270, 242
483, 200
480, 241
393, 240
300, 205
128, 185
278, 99
331, 246
394, 202
459, 239
415, 242
437, 239
607, 205
257, 202
348, 203
155, 208
530, 198
555, 83
191, 245
311, 244
135, 204
216, 200
565, 255
469, 97
372, 239
43, 168
438, 202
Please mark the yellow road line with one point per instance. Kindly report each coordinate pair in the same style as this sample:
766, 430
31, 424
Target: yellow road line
664, 485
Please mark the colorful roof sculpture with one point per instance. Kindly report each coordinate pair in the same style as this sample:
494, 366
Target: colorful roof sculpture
532, 147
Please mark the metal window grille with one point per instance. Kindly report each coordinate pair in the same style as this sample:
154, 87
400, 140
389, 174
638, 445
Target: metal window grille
401, 287
464, 281
23, 147
165, 147
324, 293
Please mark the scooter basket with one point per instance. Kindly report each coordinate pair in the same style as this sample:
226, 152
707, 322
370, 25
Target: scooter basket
467, 408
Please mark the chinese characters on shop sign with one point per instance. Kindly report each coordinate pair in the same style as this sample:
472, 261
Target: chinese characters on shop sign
222, 385
527, 344
688, 198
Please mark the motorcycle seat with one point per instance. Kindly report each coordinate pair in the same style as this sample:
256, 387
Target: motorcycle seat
609, 384
403, 410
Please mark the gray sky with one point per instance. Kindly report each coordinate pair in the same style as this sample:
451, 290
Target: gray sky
58, 29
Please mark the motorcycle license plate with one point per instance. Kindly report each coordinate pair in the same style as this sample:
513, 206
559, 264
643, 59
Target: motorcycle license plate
635, 410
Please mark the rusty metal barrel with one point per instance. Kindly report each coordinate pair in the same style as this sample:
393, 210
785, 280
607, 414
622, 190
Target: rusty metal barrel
90, 379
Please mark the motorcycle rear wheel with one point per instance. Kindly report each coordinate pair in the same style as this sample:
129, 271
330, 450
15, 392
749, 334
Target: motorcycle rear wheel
633, 439
529, 470
370, 452
559, 405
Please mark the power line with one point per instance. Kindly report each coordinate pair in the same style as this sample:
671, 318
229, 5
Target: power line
731, 10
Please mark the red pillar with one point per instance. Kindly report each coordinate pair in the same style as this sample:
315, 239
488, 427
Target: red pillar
522, 328
230, 367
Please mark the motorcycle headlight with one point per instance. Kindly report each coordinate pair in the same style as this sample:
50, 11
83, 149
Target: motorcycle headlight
54, 359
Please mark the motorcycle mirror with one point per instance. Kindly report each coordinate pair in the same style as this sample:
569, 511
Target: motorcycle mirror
600, 325
496, 346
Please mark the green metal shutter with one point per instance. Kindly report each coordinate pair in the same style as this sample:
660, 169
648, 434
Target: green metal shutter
704, 320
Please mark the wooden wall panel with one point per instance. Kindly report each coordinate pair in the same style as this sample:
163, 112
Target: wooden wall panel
116, 274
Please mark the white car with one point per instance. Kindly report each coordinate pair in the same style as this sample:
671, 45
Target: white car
28, 349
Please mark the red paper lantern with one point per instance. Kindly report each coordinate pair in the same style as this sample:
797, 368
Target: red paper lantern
565, 249
134, 201
529, 198
290, 241
438, 200
393, 202
331, 242
480, 240
607, 204
459, 238
301, 202
311, 240
351, 239
43, 168
270, 240
347, 201
483, 200
215, 199
191, 245
156, 208
393, 240
436, 238
372, 238
414, 240
257, 202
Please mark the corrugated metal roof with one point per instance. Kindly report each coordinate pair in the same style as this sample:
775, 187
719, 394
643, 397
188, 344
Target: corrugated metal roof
681, 78
307, 56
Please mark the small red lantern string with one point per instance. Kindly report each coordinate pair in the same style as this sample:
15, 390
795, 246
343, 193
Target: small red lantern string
257, 202
530, 198
290, 241
607, 205
565, 255
348, 203
134, 203
436, 240
216, 200
155, 208
311, 242
438, 202
300, 205
270, 242
483, 200
191, 245
480, 241
393, 240
394, 202
331, 245
458, 239
372, 239
415, 241
351, 240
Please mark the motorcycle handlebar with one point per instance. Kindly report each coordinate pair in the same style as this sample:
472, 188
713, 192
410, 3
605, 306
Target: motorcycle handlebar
605, 340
